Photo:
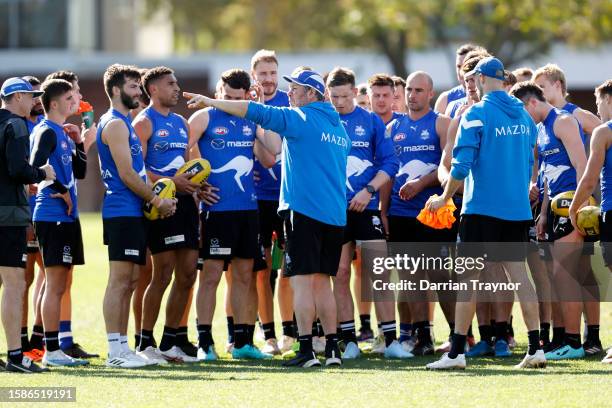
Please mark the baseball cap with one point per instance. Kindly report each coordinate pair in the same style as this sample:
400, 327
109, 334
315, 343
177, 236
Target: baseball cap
490, 66
15, 85
308, 78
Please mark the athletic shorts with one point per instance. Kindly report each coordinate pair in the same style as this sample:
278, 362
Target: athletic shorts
409, 229
33, 247
61, 243
476, 228
13, 246
270, 221
311, 246
230, 234
363, 226
605, 236
126, 238
558, 227
176, 232
259, 263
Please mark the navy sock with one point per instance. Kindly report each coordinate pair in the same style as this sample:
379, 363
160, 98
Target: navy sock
486, 333
16, 356
240, 335
268, 329
205, 336
348, 331
573, 340
230, 329
38, 335
168, 338
533, 337
365, 322
457, 345
146, 339
25, 341
592, 333
305, 343
288, 328
52, 340
389, 331
405, 331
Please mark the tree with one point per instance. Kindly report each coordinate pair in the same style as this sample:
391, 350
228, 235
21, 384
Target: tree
513, 30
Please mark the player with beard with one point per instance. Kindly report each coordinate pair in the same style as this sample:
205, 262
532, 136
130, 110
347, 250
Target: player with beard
264, 70
173, 241
124, 175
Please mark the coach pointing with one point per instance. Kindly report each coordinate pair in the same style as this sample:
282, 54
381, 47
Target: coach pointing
314, 149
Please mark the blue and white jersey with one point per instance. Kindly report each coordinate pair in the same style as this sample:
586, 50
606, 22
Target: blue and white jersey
606, 178
268, 186
119, 200
168, 142
559, 172
48, 208
417, 146
453, 107
570, 107
227, 143
395, 115
371, 152
31, 125
455, 93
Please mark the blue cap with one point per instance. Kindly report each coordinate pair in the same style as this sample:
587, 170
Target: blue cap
15, 85
308, 78
490, 66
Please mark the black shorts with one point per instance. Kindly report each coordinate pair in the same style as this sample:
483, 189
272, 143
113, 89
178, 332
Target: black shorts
476, 228
605, 236
270, 221
311, 246
409, 229
558, 227
13, 244
363, 226
176, 232
61, 243
126, 238
33, 247
230, 234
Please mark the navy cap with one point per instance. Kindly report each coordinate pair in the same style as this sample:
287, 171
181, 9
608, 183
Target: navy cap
490, 66
15, 85
308, 78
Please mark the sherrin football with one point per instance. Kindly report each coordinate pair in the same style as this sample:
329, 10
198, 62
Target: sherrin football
163, 188
561, 202
587, 220
198, 169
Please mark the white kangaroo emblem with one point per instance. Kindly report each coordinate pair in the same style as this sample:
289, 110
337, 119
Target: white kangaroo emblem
552, 173
355, 167
242, 165
416, 168
271, 169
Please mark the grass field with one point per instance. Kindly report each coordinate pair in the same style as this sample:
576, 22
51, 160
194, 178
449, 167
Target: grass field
370, 381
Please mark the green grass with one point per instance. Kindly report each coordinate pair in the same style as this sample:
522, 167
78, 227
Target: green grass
370, 381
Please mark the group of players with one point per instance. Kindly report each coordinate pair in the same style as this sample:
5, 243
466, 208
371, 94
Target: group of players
399, 157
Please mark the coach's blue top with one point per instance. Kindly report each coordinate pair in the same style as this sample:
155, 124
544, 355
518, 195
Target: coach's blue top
48, 208
494, 154
559, 172
417, 146
606, 178
168, 142
314, 154
268, 186
371, 151
227, 143
119, 200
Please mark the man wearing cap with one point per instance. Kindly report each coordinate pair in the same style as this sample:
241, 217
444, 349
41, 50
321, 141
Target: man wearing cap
15, 172
494, 155
314, 149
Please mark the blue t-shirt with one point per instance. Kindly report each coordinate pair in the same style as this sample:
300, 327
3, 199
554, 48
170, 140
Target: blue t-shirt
417, 146
494, 154
227, 143
268, 186
370, 152
606, 178
119, 200
314, 151
48, 208
168, 142
558, 170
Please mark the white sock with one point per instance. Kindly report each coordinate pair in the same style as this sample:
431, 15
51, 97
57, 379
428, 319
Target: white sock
114, 344
124, 343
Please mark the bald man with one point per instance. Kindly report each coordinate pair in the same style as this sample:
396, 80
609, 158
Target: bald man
419, 138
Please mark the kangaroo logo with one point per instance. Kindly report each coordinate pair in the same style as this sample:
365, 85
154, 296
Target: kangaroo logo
242, 165
175, 164
552, 173
416, 168
271, 169
355, 167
